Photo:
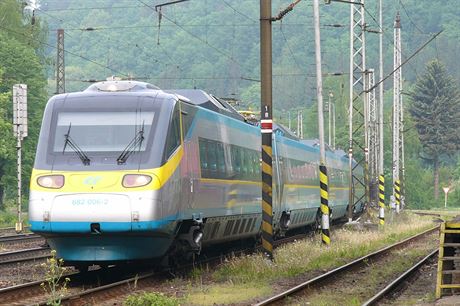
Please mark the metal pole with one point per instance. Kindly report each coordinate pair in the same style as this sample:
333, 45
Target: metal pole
381, 170
329, 110
289, 116
325, 235
380, 120
19, 174
60, 64
357, 69
445, 199
396, 110
266, 124
333, 126
20, 128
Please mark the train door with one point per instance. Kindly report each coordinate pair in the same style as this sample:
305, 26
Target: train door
190, 162
278, 182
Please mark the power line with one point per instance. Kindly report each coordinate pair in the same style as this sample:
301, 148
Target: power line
66, 51
405, 61
410, 19
92, 8
237, 11
191, 34
289, 47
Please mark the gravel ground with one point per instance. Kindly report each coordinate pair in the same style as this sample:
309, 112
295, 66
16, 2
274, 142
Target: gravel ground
19, 245
19, 273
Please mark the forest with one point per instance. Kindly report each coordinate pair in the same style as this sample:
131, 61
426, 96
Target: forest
214, 45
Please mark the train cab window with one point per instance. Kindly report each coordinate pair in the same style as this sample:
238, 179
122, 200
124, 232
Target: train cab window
173, 139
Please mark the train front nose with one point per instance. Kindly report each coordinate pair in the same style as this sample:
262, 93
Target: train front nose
96, 225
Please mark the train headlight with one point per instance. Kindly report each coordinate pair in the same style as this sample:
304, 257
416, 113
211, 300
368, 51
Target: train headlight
51, 181
136, 180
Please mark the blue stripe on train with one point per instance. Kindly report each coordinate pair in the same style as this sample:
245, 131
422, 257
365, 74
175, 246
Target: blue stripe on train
85, 226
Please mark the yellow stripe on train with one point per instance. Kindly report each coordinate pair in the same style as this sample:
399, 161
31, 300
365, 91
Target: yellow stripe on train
108, 181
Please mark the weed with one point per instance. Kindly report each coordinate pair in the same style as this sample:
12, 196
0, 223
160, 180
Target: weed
150, 298
56, 284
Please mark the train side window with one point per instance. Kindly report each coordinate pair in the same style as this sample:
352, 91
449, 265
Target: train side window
203, 158
212, 158
236, 160
173, 139
220, 160
244, 163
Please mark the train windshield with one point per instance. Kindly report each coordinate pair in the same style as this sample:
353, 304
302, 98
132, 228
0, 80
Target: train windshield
102, 131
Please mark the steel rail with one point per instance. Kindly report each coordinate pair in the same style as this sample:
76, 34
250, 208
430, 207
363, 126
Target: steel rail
334, 272
143, 280
19, 237
12, 229
9, 257
22, 292
394, 284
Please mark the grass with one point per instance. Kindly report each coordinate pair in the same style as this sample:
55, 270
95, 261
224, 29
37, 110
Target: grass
226, 293
356, 294
245, 278
309, 255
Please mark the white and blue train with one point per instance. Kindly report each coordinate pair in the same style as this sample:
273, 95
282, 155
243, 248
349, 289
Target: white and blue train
126, 171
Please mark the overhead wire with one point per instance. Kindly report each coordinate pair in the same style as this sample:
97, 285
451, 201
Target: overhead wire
192, 34
65, 51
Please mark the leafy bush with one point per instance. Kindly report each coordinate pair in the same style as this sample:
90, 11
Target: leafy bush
7, 218
150, 299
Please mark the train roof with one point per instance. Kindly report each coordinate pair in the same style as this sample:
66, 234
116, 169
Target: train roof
121, 86
208, 101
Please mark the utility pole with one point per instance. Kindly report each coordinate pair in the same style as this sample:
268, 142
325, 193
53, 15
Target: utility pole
397, 111
380, 122
323, 181
357, 71
20, 130
60, 64
266, 124
329, 112
373, 139
266, 121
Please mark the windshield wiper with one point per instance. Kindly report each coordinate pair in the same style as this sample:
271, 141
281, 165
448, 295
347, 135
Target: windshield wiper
69, 141
131, 147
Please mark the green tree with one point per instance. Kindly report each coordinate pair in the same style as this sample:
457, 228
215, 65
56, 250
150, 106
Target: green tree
435, 109
21, 62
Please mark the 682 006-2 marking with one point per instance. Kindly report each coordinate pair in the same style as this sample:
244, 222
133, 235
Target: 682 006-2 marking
94, 202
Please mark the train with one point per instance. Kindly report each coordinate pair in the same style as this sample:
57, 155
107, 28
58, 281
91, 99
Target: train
125, 171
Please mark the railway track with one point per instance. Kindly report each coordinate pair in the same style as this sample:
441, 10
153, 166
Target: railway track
8, 239
394, 286
311, 285
11, 230
20, 256
84, 290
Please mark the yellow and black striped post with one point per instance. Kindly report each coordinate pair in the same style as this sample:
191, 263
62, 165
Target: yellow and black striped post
267, 212
323, 183
397, 195
381, 199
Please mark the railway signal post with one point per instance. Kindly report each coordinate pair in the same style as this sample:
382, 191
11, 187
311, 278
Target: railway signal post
20, 131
